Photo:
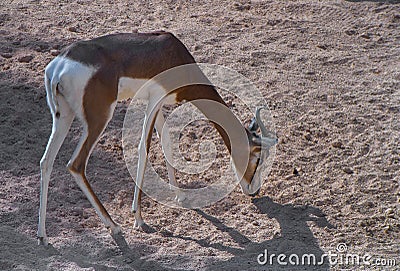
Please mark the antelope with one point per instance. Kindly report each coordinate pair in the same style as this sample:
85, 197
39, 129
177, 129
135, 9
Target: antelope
88, 78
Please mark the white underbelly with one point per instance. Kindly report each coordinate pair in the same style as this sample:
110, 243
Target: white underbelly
142, 89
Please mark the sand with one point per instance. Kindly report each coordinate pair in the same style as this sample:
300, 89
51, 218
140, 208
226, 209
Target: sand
330, 73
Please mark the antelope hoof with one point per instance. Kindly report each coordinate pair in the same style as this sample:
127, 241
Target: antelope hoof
116, 230
42, 241
139, 223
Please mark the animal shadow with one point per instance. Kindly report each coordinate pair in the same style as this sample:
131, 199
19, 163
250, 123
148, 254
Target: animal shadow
295, 238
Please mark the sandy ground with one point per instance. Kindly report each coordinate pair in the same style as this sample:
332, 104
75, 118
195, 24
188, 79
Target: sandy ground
330, 71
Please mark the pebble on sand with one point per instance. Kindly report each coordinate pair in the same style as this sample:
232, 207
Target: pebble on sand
54, 52
25, 58
6, 55
348, 170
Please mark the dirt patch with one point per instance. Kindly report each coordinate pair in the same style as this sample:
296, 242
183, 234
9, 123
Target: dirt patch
330, 73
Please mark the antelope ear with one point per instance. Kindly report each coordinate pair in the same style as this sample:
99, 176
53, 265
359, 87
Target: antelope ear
253, 126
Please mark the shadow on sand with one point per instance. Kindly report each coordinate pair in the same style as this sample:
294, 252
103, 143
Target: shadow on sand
295, 238
20, 252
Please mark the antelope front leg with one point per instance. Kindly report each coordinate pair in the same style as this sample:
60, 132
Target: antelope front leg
138, 184
162, 129
151, 114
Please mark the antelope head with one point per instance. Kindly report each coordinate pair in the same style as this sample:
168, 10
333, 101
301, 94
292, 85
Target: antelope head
259, 151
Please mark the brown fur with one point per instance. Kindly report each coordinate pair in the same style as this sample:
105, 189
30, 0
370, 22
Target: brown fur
139, 55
